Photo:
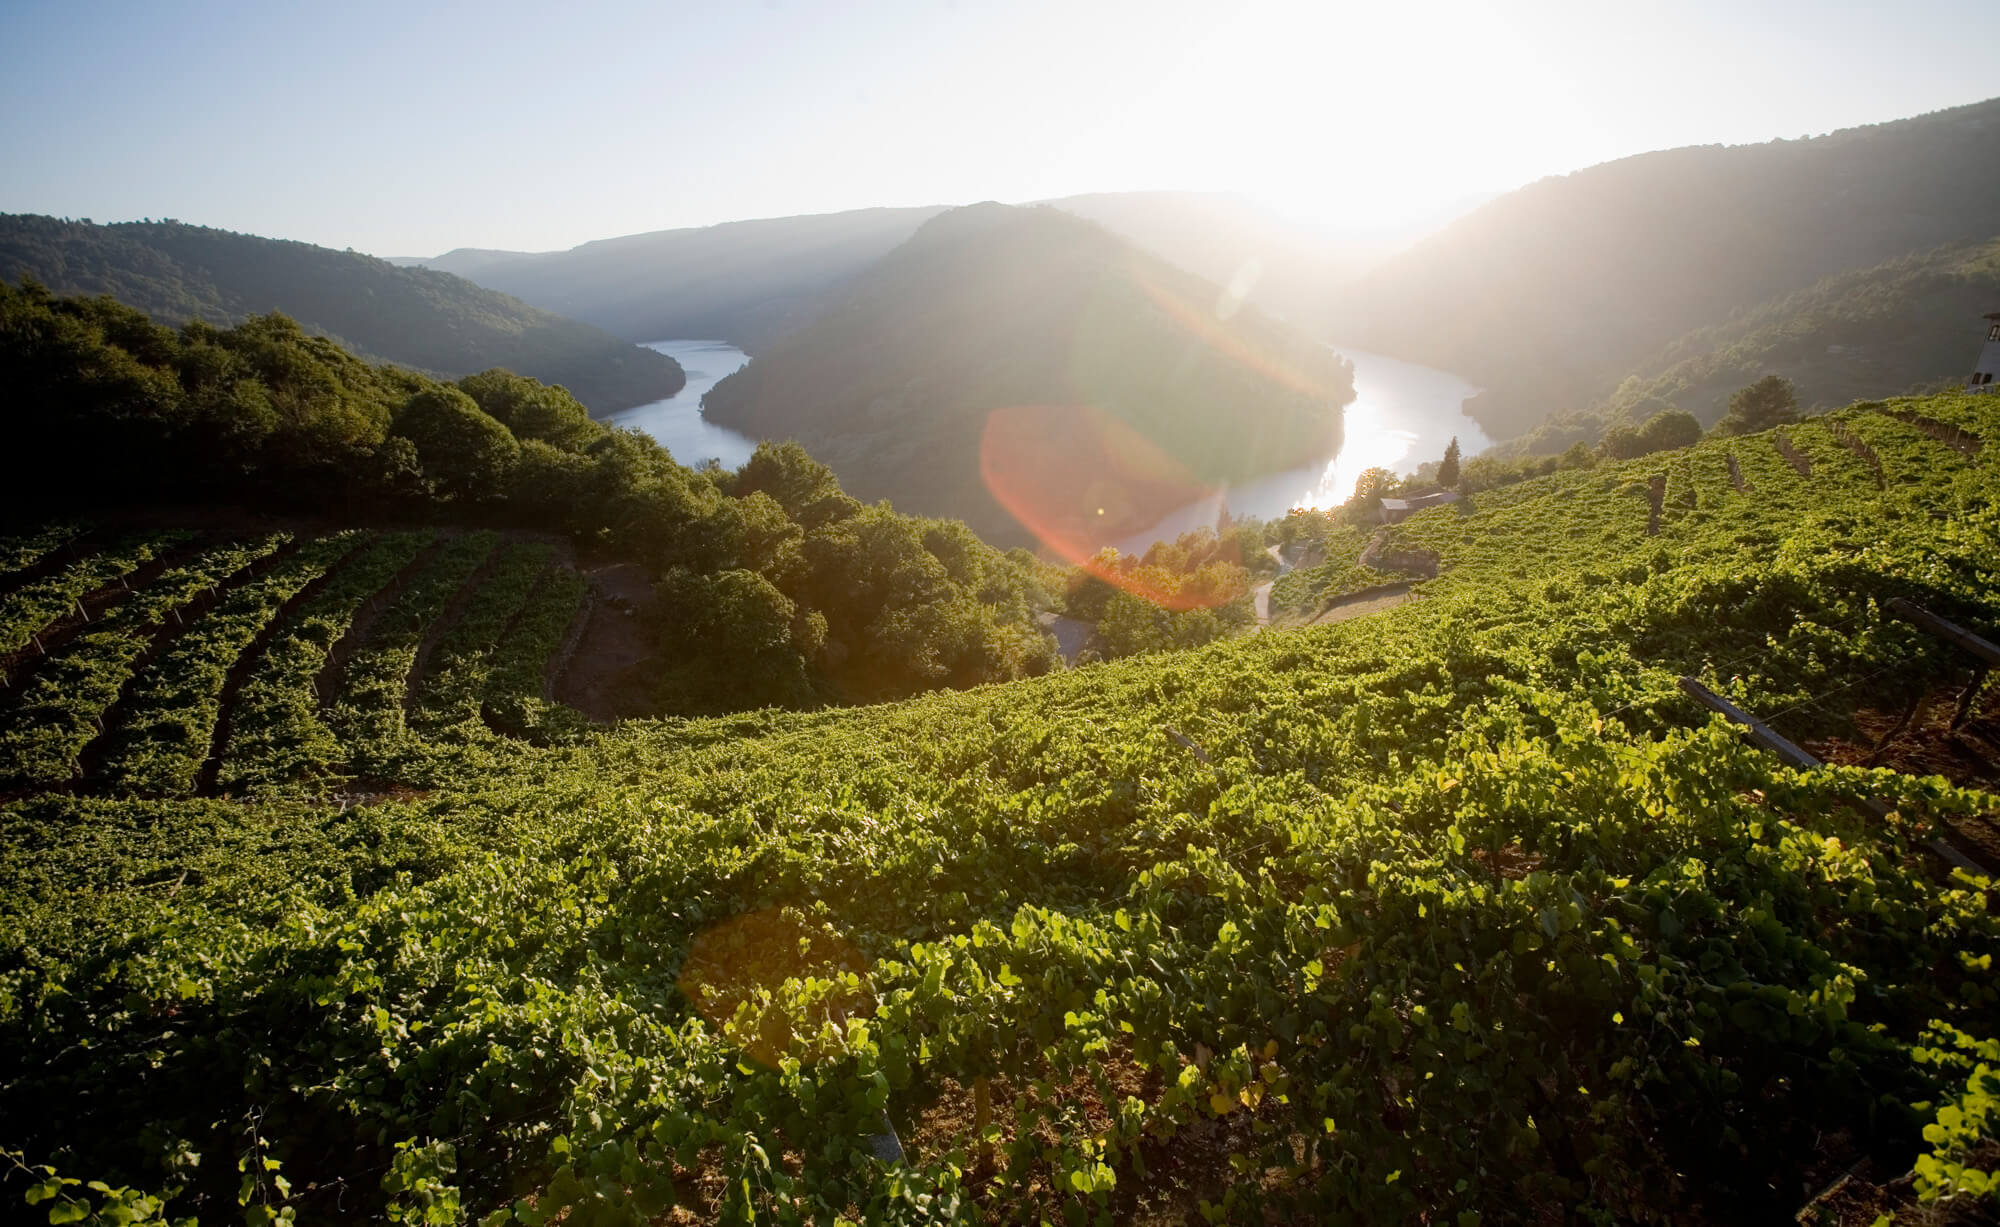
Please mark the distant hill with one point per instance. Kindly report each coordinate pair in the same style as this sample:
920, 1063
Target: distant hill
1549, 296
742, 282
1868, 334
749, 282
429, 320
1909, 325
1031, 341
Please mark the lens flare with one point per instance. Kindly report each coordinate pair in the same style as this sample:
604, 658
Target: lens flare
1079, 479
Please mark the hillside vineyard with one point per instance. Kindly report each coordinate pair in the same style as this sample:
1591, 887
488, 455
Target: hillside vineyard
316, 906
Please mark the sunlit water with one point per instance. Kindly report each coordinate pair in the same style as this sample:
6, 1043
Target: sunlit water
1402, 415
676, 422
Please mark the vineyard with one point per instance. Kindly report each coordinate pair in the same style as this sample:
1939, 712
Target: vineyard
318, 908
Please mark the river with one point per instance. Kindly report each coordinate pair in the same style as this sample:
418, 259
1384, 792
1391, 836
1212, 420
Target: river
676, 422
1402, 415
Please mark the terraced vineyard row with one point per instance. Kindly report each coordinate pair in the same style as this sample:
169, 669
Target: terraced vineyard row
277, 733
205, 675
44, 732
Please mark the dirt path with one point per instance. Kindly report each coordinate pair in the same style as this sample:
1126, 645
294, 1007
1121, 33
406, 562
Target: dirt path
1361, 604
606, 678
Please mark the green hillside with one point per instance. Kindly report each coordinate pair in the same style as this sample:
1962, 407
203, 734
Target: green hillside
1899, 327
1460, 913
766, 586
913, 378
1551, 295
434, 322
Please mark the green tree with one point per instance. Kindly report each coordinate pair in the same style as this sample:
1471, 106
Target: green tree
532, 410
465, 454
1771, 401
1448, 467
1669, 428
738, 643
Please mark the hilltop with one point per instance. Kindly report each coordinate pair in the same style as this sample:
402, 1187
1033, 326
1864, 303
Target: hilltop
430, 321
744, 282
1548, 297
998, 335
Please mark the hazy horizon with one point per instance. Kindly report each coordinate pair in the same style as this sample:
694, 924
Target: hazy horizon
402, 132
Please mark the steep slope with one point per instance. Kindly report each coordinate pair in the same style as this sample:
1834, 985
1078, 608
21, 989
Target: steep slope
742, 282
1022, 369
429, 320
1551, 295
1870, 333
1466, 913
1883, 331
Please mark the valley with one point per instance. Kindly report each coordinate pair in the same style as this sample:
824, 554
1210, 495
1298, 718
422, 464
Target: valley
1308, 671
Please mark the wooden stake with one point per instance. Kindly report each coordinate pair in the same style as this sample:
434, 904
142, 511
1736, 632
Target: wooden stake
1764, 735
1951, 632
1760, 732
982, 1115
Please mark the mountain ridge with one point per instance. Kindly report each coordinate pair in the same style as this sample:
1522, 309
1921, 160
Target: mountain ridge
422, 318
1550, 295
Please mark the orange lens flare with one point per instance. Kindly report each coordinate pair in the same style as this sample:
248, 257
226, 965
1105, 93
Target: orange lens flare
1081, 480
737, 973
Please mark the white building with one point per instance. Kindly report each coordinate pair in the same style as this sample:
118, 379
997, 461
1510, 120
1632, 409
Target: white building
1989, 357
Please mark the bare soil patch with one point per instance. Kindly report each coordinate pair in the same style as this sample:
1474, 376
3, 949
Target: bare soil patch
1924, 740
606, 675
1361, 604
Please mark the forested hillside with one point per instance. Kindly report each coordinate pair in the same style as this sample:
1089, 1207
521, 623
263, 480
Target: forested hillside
1022, 368
1550, 296
1464, 913
742, 282
774, 587
431, 321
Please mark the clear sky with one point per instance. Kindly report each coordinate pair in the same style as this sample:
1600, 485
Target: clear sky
409, 128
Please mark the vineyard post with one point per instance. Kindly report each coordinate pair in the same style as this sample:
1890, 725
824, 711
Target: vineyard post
982, 1115
1951, 632
1769, 738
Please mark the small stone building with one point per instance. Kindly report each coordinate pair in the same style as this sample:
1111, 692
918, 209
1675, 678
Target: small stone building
1396, 510
1989, 357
